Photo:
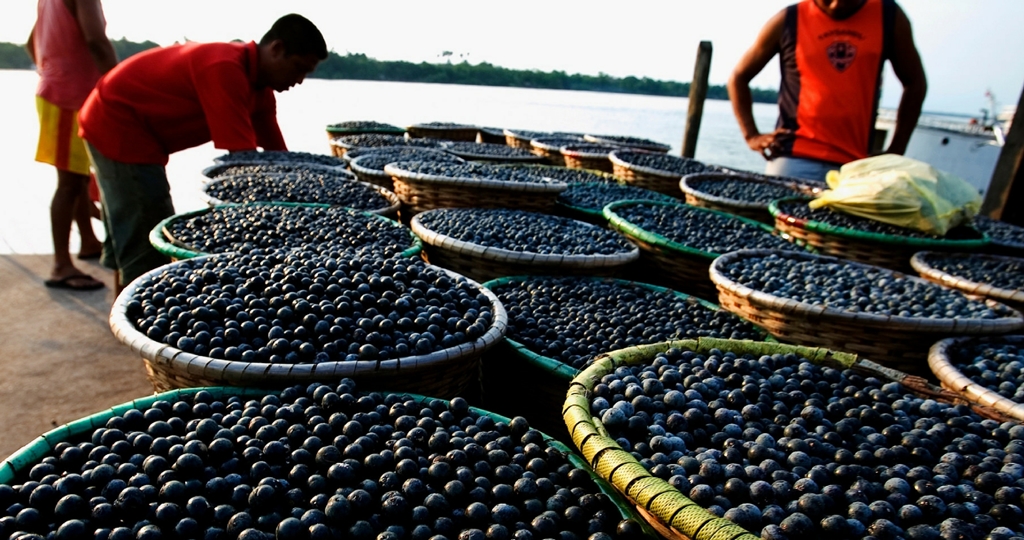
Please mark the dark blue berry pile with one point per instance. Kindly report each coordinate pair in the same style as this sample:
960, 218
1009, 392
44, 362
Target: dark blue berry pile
799, 209
297, 187
256, 156
996, 365
595, 196
1002, 273
700, 229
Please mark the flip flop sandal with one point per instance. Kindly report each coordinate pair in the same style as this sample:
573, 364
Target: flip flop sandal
91, 283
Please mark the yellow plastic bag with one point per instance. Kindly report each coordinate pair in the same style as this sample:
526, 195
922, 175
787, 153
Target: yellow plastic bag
902, 192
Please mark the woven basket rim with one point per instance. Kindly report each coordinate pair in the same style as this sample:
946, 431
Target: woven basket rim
940, 361
920, 263
629, 228
511, 158
394, 203
160, 240
371, 150
595, 172
792, 181
648, 144
564, 371
546, 186
820, 312
616, 160
179, 360
210, 172
567, 150
436, 239
539, 144
864, 236
685, 186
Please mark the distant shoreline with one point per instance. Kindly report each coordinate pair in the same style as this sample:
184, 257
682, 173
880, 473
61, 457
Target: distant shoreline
362, 68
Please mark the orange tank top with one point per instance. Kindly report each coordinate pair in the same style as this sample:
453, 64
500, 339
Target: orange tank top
67, 72
831, 79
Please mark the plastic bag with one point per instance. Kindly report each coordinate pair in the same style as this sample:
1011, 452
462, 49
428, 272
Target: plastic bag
902, 192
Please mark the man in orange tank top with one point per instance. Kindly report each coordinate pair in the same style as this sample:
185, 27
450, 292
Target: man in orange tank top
831, 54
69, 46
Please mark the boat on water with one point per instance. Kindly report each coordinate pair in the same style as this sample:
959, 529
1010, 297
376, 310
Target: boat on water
958, 144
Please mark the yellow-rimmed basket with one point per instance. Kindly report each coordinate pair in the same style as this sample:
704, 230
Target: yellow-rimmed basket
666, 182
484, 263
389, 211
17, 465
219, 170
588, 156
898, 342
885, 250
511, 366
1011, 297
748, 209
942, 360
165, 242
444, 131
669, 511
637, 143
446, 373
671, 263
422, 192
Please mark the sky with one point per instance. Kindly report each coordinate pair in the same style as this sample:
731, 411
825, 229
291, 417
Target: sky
967, 47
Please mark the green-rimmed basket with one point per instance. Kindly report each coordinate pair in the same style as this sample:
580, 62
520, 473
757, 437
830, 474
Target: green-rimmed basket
749, 209
942, 360
484, 263
24, 459
217, 169
510, 367
422, 192
668, 262
164, 242
389, 211
445, 373
885, 250
448, 132
898, 342
335, 131
669, 511
1011, 297
587, 158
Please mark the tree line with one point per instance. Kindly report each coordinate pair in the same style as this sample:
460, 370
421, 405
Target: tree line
361, 67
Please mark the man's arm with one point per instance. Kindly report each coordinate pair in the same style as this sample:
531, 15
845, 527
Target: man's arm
89, 14
906, 64
264, 122
749, 66
30, 45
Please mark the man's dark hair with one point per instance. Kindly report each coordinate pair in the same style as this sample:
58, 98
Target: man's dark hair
299, 36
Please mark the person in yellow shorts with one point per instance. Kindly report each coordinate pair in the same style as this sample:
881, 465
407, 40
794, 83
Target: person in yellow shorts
71, 51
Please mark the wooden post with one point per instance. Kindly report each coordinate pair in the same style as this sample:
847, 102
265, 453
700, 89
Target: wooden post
698, 91
1008, 167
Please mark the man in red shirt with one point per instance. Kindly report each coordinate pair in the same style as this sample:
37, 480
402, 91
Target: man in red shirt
172, 98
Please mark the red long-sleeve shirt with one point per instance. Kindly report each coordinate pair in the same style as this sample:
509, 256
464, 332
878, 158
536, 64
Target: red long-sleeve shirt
172, 98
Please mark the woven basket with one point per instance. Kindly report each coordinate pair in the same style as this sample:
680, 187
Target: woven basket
390, 211
484, 263
670, 512
748, 209
576, 158
333, 132
422, 192
517, 138
164, 242
511, 157
670, 263
654, 179
1010, 297
445, 373
898, 342
448, 132
511, 366
490, 135
629, 142
217, 169
549, 148
942, 361
885, 250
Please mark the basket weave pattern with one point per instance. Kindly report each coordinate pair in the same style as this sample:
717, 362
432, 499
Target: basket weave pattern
898, 342
464, 133
1010, 297
419, 192
446, 373
646, 177
942, 362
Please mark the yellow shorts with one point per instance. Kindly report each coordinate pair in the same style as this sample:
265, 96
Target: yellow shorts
59, 144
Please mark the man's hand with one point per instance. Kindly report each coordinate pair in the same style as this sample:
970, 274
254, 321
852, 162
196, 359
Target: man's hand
770, 144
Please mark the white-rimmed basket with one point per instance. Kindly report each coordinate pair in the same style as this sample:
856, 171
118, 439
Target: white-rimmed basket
1011, 297
422, 192
484, 263
448, 372
390, 211
898, 342
943, 366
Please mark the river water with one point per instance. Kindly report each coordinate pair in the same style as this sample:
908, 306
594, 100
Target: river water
305, 110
